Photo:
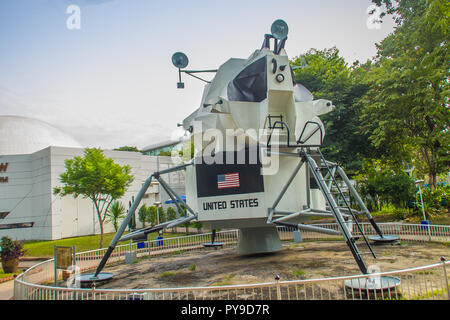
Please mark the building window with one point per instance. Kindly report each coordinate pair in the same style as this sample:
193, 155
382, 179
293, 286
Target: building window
16, 225
3, 215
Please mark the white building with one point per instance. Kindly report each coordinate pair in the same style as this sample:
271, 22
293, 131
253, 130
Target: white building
32, 155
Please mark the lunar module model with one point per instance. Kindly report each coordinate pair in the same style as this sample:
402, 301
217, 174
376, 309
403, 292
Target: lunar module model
257, 164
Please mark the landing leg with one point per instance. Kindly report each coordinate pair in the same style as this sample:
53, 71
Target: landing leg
213, 243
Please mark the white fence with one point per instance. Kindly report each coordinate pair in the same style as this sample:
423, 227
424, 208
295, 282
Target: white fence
427, 282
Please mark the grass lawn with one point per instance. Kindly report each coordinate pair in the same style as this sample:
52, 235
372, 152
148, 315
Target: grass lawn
437, 219
86, 243
389, 216
8, 275
46, 248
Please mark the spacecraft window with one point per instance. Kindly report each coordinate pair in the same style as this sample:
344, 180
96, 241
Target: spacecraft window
302, 94
250, 85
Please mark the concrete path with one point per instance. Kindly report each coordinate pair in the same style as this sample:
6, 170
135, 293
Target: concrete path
6, 290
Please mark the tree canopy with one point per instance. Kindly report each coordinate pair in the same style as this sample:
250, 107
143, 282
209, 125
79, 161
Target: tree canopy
395, 107
97, 178
328, 76
406, 106
128, 148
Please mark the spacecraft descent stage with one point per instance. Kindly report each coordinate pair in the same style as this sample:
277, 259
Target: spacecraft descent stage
258, 163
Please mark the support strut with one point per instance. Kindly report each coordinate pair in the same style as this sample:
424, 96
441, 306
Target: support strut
132, 210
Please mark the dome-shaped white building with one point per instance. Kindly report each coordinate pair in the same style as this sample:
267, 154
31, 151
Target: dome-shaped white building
32, 158
23, 135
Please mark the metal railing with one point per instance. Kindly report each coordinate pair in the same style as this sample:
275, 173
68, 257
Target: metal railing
426, 282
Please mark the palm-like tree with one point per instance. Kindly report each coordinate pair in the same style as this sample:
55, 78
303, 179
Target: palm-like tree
115, 213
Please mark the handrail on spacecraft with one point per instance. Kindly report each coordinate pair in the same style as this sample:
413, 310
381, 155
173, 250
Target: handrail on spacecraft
300, 142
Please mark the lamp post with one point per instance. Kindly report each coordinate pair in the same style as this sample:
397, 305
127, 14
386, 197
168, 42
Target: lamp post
409, 170
418, 182
157, 204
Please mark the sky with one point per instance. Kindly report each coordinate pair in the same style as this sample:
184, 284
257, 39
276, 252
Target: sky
111, 83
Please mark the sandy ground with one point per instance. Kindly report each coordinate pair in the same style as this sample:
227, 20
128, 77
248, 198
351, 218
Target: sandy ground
307, 260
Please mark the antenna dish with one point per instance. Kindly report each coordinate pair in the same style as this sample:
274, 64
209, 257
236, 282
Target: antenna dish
180, 60
279, 29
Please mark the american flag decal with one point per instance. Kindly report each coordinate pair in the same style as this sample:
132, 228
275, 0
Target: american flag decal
228, 180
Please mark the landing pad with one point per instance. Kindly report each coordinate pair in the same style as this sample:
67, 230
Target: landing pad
373, 283
213, 245
384, 239
87, 279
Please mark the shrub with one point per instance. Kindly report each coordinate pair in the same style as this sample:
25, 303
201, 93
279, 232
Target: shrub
115, 213
197, 225
382, 187
171, 213
400, 214
161, 215
11, 249
142, 214
151, 215
298, 273
436, 198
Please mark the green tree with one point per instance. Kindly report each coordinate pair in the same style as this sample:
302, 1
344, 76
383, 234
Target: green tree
188, 150
436, 199
406, 107
437, 11
165, 153
183, 213
381, 186
197, 225
115, 213
128, 148
143, 214
132, 223
151, 215
161, 215
171, 213
326, 74
97, 178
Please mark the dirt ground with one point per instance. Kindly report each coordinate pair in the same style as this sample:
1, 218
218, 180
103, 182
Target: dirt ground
306, 260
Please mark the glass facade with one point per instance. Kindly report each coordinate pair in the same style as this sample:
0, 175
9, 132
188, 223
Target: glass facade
164, 150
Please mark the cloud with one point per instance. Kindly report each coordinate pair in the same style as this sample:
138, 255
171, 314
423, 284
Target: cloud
100, 134
11, 102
